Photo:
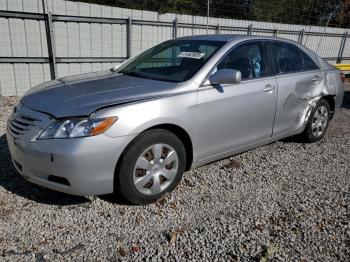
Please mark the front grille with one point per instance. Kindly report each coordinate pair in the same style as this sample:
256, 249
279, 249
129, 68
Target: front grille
20, 124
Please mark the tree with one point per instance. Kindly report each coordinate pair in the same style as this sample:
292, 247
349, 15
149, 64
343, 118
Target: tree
307, 12
343, 16
268, 11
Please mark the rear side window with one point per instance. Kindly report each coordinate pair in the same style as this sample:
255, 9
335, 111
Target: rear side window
287, 58
308, 63
248, 58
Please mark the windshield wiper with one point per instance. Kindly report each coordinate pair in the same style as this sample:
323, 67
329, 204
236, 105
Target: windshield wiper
146, 77
132, 74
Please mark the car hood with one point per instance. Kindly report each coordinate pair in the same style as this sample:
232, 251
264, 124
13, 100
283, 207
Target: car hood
81, 95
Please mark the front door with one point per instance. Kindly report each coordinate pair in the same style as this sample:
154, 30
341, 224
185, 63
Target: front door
231, 116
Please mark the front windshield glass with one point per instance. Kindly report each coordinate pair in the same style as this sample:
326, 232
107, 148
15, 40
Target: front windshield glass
174, 60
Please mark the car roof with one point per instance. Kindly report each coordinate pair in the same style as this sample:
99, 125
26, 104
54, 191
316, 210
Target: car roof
226, 37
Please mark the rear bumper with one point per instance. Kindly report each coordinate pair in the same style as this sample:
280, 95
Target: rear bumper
339, 97
86, 164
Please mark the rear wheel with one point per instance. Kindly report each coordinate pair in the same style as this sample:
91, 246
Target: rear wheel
151, 166
318, 122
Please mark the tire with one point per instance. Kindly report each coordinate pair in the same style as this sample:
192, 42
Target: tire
310, 135
147, 159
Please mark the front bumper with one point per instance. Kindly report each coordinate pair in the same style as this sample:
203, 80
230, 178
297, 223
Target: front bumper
87, 164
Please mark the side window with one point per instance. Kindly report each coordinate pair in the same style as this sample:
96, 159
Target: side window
309, 64
287, 58
248, 58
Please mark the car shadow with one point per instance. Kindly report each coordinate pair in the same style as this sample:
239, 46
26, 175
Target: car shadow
346, 99
116, 199
13, 182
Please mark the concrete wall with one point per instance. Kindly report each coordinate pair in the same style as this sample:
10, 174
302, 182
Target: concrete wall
20, 38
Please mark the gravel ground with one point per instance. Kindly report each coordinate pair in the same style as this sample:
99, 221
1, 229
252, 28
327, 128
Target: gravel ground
286, 201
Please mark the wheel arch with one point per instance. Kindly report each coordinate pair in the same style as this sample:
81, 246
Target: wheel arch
183, 135
180, 132
331, 101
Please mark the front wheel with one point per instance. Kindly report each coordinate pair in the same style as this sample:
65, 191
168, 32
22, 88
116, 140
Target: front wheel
152, 165
318, 122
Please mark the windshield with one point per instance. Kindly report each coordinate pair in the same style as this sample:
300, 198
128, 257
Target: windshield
174, 60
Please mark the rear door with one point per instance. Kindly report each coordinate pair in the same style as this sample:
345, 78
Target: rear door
236, 115
298, 79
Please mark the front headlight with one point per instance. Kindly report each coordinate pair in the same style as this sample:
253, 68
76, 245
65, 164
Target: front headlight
77, 127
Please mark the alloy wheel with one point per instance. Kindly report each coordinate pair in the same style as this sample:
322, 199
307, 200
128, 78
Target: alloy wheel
319, 121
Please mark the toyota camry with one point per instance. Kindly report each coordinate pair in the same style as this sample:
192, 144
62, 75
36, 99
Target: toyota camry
135, 129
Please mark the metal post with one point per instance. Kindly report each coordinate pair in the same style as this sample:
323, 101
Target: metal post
208, 15
249, 32
218, 29
301, 36
275, 32
128, 38
50, 44
324, 31
50, 40
175, 28
341, 49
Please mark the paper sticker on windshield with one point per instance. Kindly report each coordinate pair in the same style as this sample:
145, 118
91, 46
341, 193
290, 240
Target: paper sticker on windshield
194, 55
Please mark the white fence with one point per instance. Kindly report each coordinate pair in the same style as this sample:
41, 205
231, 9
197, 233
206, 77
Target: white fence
88, 37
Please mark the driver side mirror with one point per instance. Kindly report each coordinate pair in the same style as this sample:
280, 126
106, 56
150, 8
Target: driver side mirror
225, 76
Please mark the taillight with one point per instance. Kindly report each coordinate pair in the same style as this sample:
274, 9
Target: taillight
342, 77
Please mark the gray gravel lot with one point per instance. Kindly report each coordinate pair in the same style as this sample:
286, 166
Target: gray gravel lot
285, 201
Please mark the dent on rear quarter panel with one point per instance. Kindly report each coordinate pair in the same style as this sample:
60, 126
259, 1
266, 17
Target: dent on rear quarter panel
304, 98
335, 86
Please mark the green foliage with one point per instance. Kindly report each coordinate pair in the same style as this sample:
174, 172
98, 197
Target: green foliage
309, 12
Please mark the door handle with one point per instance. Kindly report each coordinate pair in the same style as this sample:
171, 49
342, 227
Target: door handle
316, 79
269, 88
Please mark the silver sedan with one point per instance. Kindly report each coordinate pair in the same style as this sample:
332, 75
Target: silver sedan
184, 103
